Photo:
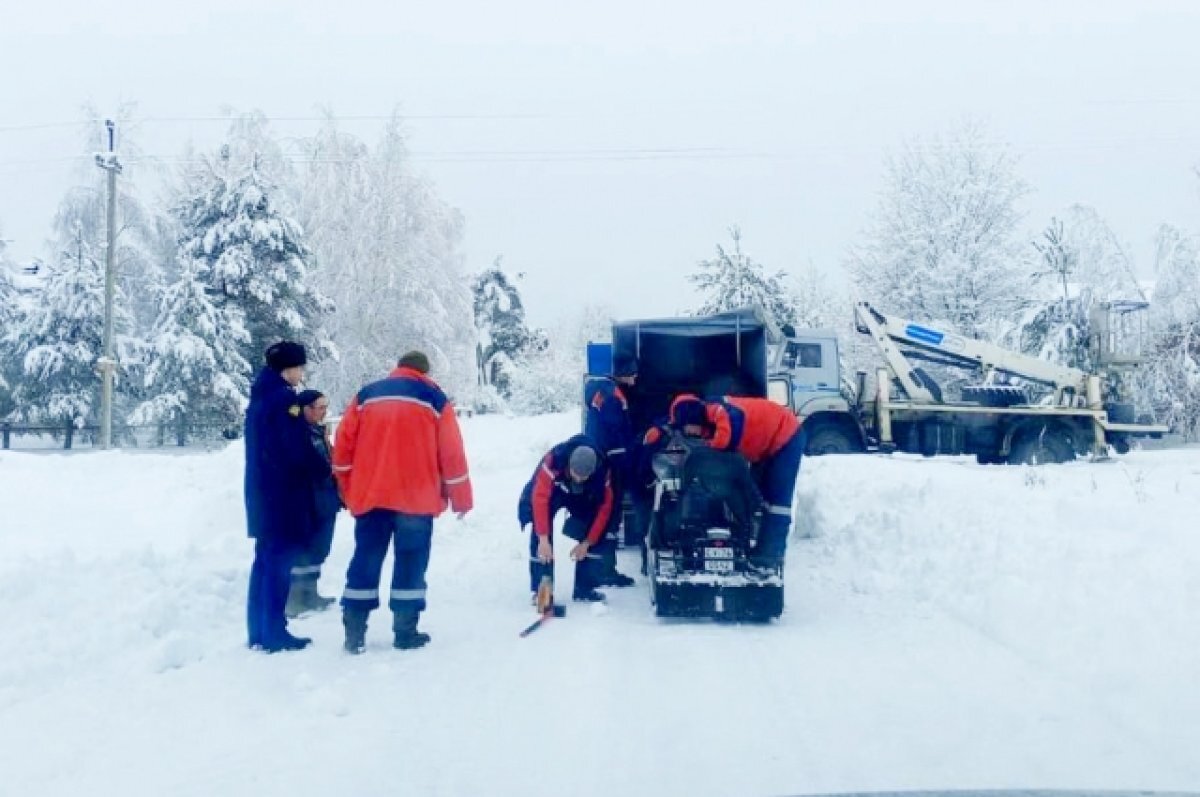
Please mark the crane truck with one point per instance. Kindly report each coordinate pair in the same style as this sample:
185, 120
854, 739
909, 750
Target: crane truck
1022, 409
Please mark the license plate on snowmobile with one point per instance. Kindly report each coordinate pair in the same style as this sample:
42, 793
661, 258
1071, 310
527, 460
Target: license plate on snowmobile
718, 553
718, 565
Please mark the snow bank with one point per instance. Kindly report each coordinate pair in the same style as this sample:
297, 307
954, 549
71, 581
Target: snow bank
948, 625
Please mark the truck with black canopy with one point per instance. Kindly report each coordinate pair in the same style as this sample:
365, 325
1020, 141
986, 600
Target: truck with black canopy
699, 508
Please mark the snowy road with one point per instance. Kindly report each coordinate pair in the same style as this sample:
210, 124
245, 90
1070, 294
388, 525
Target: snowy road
948, 625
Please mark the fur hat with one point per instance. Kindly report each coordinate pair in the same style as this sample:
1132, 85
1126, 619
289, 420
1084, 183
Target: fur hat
286, 354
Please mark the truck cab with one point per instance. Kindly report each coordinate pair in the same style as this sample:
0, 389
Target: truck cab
806, 375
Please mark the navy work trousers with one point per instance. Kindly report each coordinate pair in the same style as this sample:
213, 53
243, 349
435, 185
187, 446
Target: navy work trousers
778, 485
373, 532
270, 578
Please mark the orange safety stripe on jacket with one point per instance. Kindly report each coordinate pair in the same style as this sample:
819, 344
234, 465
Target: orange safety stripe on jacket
399, 447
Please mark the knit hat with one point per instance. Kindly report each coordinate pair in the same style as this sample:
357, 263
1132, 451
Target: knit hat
687, 410
582, 463
305, 398
285, 354
415, 360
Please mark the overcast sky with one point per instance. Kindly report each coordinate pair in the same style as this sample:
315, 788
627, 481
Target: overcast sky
604, 152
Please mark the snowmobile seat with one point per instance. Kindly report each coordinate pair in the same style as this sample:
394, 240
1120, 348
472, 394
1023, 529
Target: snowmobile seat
718, 490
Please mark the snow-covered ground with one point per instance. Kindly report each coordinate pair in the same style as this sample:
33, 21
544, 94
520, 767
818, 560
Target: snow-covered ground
948, 625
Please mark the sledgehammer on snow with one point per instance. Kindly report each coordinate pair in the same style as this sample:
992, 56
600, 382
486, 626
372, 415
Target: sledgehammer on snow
546, 606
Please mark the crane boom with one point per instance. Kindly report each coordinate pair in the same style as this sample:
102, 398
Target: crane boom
890, 334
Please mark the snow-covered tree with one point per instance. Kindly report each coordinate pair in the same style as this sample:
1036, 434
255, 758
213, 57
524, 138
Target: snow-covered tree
390, 258
941, 246
815, 303
253, 255
1080, 263
546, 376
1170, 381
9, 321
732, 280
197, 372
500, 325
61, 337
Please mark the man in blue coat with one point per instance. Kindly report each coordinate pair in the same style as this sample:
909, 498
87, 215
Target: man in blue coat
281, 466
607, 422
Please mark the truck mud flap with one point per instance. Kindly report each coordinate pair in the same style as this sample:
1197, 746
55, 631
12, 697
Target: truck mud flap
741, 603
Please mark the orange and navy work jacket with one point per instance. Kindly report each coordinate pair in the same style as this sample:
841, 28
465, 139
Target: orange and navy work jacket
552, 487
756, 428
399, 447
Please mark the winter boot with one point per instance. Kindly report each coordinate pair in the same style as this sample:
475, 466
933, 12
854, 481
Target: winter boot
313, 600
286, 642
404, 624
355, 622
616, 579
588, 596
297, 599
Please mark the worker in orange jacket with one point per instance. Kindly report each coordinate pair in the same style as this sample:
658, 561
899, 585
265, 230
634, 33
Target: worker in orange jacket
769, 436
399, 461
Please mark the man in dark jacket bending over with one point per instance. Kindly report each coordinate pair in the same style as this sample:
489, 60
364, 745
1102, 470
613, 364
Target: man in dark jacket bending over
571, 476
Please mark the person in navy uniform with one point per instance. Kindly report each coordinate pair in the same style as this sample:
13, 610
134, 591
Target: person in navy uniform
281, 466
572, 476
607, 422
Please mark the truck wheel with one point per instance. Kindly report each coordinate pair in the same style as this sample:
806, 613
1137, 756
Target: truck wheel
831, 440
1042, 448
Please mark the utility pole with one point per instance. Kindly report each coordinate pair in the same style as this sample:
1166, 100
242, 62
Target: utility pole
107, 362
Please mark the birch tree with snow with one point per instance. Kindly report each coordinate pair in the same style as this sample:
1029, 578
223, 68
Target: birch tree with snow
1170, 380
390, 255
942, 245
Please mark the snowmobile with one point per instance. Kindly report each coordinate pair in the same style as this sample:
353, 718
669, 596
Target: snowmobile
704, 521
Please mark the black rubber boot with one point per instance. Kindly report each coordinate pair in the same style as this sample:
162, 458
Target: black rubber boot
287, 642
355, 623
616, 579
404, 624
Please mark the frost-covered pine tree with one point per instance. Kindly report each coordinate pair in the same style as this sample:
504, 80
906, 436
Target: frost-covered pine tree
732, 280
500, 325
253, 255
941, 246
196, 372
61, 337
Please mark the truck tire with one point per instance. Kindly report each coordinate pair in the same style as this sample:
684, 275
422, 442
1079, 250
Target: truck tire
1042, 447
995, 395
829, 439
